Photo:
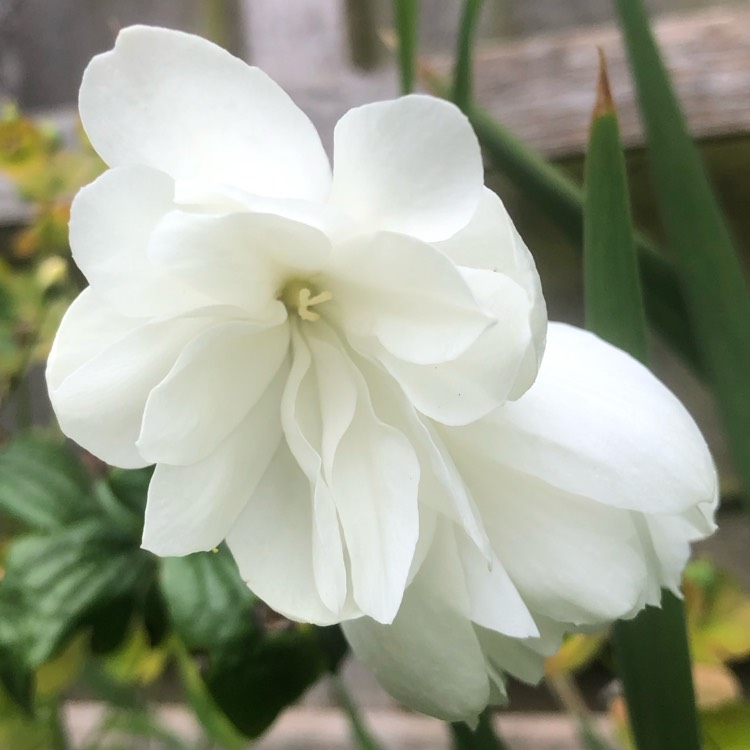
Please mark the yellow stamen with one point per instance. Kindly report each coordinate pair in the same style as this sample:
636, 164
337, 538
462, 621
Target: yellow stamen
305, 302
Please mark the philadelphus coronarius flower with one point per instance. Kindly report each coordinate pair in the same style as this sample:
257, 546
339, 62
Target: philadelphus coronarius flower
338, 373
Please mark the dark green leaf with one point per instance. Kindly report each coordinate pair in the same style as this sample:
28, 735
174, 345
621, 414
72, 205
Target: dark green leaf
614, 304
42, 484
407, 16
483, 737
651, 651
716, 291
209, 604
260, 678
131, 487
62, 578
110, 624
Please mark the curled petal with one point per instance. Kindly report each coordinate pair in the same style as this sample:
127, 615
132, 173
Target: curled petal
490, 242
477, 381
597, 423
178, 103
101, 375
235, 362
411, 165
271, 541
239, 259
111, 221
407, 296
429, 657
192, 508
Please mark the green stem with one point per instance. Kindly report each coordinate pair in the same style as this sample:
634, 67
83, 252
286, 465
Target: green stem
406, 14
462, 80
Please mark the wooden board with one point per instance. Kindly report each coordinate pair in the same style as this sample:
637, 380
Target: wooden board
543, 88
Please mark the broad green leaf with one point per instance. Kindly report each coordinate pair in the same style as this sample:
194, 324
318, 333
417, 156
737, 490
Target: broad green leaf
258, 679
42, 484
406, 13
63, 577
651, 651
483, 737
462, 75
131, 487
716, 290
209, 604
561, 201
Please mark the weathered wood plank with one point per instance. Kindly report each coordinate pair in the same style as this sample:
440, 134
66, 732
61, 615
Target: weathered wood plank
543, 88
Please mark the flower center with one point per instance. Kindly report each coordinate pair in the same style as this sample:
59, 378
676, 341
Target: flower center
299, 297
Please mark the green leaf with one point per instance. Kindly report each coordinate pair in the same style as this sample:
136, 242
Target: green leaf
614, 303
61, 578
462, 73
716, 291
651, 651
561, 201
209, 604
42, 484
15, 676
483, 737
255, 681
406, 13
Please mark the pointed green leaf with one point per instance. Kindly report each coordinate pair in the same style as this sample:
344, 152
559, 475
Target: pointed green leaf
716, 291
651, 651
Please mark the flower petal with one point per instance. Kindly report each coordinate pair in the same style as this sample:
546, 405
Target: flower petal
178, 103
599, 424
311, 432
240, 259
477, 381
111, 221
571, 559
429, 657
216, 380
192, 508
411, 165
100, 403
379, 286
491, 242
271, 540
374, 478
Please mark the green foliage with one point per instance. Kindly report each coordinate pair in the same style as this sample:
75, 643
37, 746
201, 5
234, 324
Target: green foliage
483, 737
407, 22
716, 291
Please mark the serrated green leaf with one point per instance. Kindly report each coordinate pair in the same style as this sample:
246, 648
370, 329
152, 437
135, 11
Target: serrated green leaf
715, 287
61, 578
208, 602
42, 484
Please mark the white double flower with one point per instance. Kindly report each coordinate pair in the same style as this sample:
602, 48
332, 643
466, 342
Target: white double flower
333, 371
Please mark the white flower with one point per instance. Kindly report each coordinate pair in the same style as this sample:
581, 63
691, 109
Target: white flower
590, 488
282, 341
332, 372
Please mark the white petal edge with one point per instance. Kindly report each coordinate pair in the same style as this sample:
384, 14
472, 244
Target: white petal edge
181, 104
411, 165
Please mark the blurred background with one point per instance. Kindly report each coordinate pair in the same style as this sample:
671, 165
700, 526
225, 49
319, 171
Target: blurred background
535, 72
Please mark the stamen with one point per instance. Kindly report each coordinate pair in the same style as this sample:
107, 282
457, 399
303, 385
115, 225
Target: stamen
305, 302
